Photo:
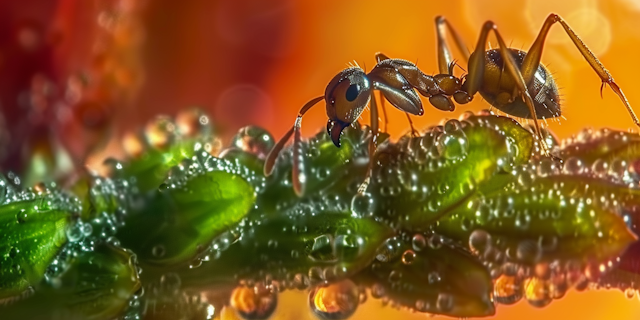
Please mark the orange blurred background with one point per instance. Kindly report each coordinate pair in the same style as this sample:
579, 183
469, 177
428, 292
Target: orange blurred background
257, 62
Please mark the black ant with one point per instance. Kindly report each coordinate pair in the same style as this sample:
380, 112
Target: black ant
527, 90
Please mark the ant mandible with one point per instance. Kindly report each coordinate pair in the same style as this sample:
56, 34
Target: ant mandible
527, 90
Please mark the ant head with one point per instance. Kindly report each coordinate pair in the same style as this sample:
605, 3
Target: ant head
346, 96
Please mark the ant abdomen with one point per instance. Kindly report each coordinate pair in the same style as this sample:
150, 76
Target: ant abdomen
497, 88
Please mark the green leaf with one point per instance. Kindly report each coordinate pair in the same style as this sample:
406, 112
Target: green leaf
150, 170
555, 217
604, 145
431, 274
179, 223
96, 286
33, 231
422, 179
310, 247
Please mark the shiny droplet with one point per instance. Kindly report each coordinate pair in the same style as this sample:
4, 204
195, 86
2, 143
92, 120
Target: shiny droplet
507, 290
418, 242
479, 241
254, 140
254, 303
362, 205
193, 123
335, 301
160, 132
536, 292
408, 257
452, 143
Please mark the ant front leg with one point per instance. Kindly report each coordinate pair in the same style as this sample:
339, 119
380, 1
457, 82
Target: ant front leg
477, 68
532, 60
373, 145
298, 175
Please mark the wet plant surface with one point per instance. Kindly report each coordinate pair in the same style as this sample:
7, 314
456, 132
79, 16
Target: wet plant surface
465, 217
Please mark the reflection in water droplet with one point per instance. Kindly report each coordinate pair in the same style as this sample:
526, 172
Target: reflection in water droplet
335, 301
251, 303
408, 257
193, 122
254, 140
160, 132
536, 292
507, 290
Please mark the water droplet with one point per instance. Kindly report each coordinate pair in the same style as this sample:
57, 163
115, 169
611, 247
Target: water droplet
452, 143
630, 293
433, 277
525, 178
395, 276
193, 123
160, 132
21, 216
335, 301
547, 167
418, 242
348, 246
170, 283
479, 242
158, 251
362, 205
86, 229
322, 248
133, 144
254, 303
408, 257
435, 241
254, 140
573, 165
74, 233
600, 167
536, 292
444, 302
378, 291
13, 252
507, 290
528, 251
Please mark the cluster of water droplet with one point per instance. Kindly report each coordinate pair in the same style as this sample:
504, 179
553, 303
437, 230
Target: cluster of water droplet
415, 188
203, 162
165, 298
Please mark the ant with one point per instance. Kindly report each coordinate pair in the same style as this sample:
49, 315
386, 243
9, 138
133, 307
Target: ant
527, 90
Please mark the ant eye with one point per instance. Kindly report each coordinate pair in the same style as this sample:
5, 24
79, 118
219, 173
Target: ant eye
352, 92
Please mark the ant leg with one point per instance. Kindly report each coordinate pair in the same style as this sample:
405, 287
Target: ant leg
270, 161
373, 145
384, 113
444, 54
532, 60
476, 72
298, 177
414, 132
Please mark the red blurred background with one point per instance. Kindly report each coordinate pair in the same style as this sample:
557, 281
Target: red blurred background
91, 70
